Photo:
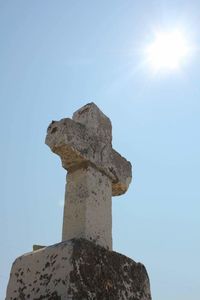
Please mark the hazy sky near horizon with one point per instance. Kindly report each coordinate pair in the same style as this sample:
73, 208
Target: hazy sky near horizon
56, 56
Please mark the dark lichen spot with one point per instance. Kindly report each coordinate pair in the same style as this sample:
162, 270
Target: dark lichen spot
47, 265
54, 130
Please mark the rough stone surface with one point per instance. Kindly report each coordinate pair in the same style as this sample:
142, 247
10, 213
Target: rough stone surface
87, 139
77, 269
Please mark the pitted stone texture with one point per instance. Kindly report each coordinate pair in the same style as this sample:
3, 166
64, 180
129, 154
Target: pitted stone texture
87, 139
42, 274
77, 270
95, 121
87, 211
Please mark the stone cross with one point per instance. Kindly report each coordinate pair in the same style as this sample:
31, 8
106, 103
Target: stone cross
96, 172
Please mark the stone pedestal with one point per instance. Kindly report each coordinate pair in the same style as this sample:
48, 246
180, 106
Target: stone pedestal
77, 269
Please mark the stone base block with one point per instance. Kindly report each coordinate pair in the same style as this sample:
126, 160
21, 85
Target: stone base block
77, 269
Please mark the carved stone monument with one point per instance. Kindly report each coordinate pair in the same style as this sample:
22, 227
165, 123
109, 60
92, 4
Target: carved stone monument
96, 172
83, 265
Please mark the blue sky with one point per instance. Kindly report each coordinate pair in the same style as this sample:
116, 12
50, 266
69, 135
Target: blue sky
56, 56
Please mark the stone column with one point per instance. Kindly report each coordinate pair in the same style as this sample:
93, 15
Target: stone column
87, 211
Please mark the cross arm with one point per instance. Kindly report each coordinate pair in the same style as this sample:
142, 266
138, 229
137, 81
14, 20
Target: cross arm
77, 147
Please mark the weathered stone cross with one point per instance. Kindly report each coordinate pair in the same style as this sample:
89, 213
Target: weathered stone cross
96, 172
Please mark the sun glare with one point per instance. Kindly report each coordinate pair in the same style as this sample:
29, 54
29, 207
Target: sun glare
168, 50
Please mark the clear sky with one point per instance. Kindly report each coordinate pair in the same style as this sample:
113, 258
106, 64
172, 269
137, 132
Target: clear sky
56, 56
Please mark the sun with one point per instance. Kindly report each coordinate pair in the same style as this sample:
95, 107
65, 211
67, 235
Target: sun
168, 50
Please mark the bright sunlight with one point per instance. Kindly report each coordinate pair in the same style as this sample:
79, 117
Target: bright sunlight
168, 50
